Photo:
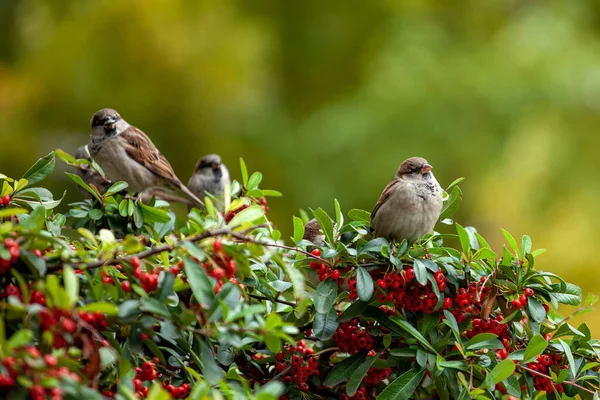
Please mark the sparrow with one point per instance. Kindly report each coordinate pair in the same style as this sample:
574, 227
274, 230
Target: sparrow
210, 176
313, 233
410, 204
88, 174
125, 153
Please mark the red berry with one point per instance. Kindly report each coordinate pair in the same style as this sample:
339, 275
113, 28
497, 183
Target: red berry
217, 245
523, 299
529, 292
126, 286
316, 253
516, 304
546, 307
135, 262
69, 325
5, 200
335, 275
447, 302
50, 360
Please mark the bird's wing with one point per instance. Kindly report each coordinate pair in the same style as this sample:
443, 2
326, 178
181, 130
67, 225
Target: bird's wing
141, 149
387, 191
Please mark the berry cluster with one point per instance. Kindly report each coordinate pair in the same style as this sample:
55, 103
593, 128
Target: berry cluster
303, 364
148, 373
29, 362
469, 301
494, 326
352, 337
14, 252
522, 300
148, 280
361, 394
374, 375
223, 267
5, 201
323, 271
96, 319
543, 364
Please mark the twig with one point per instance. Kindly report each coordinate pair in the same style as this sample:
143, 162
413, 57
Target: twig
531, 371
325, 351
154, 250
257, 297
282, 373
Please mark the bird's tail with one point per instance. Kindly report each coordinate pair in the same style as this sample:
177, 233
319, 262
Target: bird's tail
197, 202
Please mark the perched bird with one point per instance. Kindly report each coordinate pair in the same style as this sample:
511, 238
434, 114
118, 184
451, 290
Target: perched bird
210, 176
125, 153
313, 233
88, 174
410, 204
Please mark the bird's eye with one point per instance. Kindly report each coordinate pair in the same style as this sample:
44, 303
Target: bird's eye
414, 170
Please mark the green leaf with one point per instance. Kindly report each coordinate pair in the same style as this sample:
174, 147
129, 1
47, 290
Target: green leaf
211, 370
199, 282
344, 369
571, 295
502, 371
9, 212
569, 355
244, 171
451, 322
413, 332
116, 188
18, 339
325, 295
77, 179
325, 324
353, 311
71, 283
536, 346
40, 170
298, 229
154, 214
451, 204
403, 387
339, 217
536, 310
34, 262
359, 374
511, 241
364, 284
525, 245
252, 214
359, 215
484, 340
463, 236
157, 392
254, 181
325, 222
103, 307
420, 271
153, 306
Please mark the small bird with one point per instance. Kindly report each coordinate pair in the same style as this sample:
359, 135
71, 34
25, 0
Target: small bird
410, 204
125, 153
210, 176
313, 233
88, 174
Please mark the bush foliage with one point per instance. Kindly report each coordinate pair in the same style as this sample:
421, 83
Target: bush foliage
118, 299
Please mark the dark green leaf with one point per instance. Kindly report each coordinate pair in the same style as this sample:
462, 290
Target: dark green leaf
413, 332
40, 170
420, 271
536, 310
199, 282
152, 305
536, 346
344, 369
353, 311
403, 387
325, 324
77, 179
364, 284
326, 223
358, 375
211, 370
325, 295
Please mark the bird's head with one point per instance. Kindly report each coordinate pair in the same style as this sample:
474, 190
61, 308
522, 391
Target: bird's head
210, 165
414, 167
107, 122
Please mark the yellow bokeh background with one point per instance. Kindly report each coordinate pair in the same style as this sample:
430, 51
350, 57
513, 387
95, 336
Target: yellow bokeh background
326, 99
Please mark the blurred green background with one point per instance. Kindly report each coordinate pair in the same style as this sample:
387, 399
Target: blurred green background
326, 99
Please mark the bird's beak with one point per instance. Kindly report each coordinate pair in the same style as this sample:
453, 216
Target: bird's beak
426, 168
109, 124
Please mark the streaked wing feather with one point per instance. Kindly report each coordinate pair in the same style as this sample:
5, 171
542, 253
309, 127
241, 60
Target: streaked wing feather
387, 191
141, 149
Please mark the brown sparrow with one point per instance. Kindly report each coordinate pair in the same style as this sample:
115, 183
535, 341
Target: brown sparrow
313, 233
125, 153
210, 176
410, 204
88, 174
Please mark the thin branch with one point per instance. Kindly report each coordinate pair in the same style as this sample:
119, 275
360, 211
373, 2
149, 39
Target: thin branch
257, 297
531, 371
154, 250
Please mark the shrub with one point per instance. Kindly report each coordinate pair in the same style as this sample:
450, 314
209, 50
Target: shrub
115, 299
